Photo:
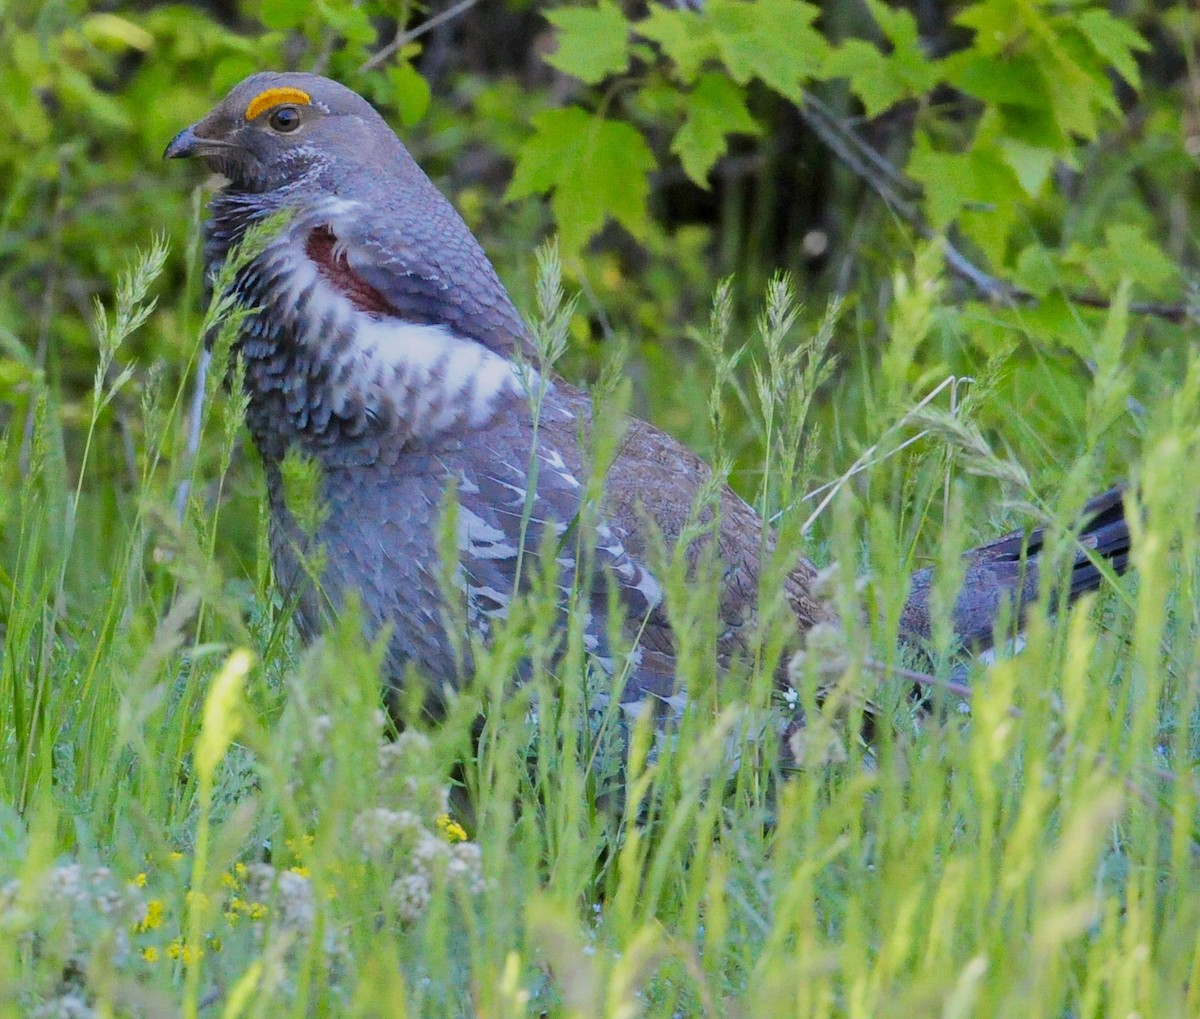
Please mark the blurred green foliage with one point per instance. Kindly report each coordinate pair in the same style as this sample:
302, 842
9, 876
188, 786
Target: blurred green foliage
1037, 857
1053, 143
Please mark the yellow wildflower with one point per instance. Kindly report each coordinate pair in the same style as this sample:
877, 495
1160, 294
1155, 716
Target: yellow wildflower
153, 917
299, 847
188, 954
140, 880
239, 906
451, 830
150, 954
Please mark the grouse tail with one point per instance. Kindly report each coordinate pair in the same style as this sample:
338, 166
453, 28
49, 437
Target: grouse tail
1002, 576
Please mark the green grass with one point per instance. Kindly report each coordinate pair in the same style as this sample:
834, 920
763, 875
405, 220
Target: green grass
202, 818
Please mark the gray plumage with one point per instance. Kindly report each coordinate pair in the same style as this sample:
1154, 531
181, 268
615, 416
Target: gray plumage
381, 343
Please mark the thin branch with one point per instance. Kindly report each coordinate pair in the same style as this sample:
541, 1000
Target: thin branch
926, 681
404, 38
883, 178
816, 108
1172, 312
888, 182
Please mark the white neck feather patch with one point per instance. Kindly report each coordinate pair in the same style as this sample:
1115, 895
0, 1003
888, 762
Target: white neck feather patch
428, 375
436, 378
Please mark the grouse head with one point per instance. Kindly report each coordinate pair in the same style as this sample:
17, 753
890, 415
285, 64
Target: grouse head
281, 130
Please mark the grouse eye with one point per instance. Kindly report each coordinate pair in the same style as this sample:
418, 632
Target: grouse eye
285, 119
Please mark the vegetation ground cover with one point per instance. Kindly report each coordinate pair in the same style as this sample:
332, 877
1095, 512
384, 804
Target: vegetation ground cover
197, 815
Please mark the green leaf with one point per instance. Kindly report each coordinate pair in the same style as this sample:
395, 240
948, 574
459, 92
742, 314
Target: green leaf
870, 74
114, 32
353, 23
593, 42
947, 178
1114, 40
1017, 89
1126, 254
772, 40
1015, 80
594, 167
76, 90
716, 108
685, 37
29, 121
1051, 319
1036, 270
412, 94
976, 188
229, 70
914, 71
1011, 32
1031, 163
1035, 126
283, 13
1079, 92
997, 24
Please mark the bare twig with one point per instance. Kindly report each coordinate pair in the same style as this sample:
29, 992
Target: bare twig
924, 680
891, 185
1172, 312
402, 39
814, 109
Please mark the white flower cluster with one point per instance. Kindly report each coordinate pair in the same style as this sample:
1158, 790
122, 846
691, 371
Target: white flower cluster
290, 896
406, 769
57, 898
64, 915
71, 1005
416, 858
69, 886
419, 848
292, 915
380, 831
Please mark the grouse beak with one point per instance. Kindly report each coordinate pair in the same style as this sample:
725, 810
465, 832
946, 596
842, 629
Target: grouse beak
183, 146
187, 144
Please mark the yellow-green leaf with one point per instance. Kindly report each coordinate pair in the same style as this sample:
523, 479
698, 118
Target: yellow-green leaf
594, 168
685, 37
716, 108
108, 29
412, 95
593, 42
772, 40
1115, 40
